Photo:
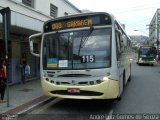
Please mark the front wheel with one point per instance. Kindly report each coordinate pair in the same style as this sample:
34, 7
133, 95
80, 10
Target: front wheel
129, 79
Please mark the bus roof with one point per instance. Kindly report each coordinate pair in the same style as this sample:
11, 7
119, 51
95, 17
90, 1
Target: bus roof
78, 20
79, 15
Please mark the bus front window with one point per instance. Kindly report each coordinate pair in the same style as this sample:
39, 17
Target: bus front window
148, 51
77, 50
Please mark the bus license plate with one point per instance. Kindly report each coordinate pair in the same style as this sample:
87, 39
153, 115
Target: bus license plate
73, 90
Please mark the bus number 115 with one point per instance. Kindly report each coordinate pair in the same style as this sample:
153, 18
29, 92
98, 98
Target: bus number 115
88, 58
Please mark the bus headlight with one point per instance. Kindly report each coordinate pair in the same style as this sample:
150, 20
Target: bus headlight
105, 78
131, 59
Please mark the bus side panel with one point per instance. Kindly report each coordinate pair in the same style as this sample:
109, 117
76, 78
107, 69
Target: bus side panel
116, 72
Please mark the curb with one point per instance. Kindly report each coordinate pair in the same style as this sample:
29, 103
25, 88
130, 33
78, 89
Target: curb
35, 106
29, 106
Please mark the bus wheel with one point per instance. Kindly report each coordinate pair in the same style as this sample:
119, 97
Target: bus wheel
129, 79
119, 98
124, 79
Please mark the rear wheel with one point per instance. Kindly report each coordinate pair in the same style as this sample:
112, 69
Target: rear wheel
129, 79
124, 80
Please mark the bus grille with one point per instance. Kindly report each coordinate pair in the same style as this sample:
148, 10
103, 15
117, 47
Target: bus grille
80, 83
82, 93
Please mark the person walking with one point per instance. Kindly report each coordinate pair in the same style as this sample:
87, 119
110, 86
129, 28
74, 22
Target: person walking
23, 66
2, 79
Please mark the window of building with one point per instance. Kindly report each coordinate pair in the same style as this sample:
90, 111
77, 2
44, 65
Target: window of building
53, 10
29, 3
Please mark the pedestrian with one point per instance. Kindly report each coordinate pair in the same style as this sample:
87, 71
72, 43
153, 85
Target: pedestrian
27, 71
23, 67
2, 79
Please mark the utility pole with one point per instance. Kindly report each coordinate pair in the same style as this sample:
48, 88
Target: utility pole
6, 13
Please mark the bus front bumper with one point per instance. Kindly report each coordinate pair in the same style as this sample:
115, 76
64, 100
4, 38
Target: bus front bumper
106, 90
146, 61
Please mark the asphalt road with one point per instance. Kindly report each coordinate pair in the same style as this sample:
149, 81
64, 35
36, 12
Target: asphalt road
141, 96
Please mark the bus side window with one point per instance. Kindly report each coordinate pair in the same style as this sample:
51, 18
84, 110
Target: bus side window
123, 42
118, 46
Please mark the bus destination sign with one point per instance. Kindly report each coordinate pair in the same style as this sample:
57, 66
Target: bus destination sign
71, 24
76, 22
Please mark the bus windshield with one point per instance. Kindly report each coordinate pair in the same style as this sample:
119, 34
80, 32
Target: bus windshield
85, 49
147, 51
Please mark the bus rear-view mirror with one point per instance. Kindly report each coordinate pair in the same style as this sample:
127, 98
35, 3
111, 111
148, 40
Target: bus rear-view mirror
35, 43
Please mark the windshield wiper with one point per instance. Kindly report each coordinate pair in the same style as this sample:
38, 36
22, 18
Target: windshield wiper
84, 38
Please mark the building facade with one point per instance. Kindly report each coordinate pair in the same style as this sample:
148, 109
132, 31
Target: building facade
27, 18
154, 29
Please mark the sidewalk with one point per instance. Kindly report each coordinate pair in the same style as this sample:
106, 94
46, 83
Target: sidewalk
23, 97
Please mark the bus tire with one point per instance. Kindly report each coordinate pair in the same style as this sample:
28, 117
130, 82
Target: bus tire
119, 98
129, 79
124, 79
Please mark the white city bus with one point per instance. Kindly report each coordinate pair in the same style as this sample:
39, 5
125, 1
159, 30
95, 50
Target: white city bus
83, 56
